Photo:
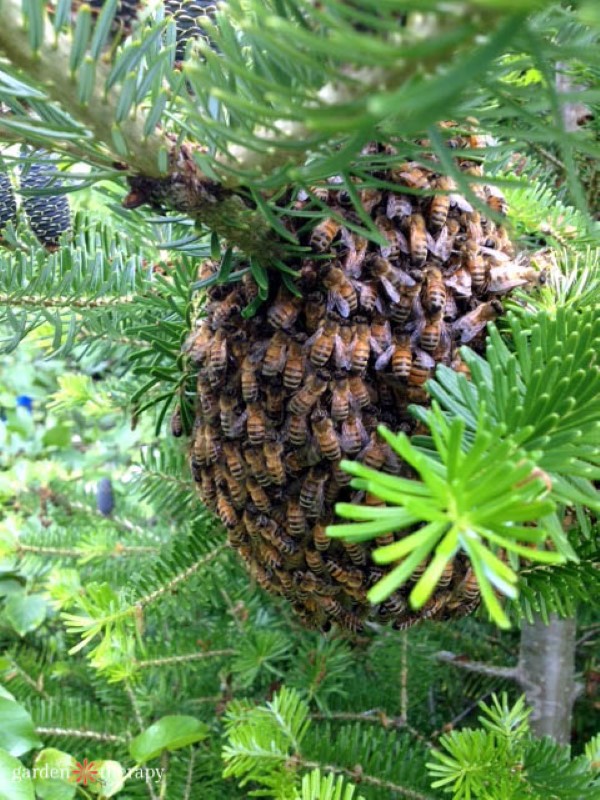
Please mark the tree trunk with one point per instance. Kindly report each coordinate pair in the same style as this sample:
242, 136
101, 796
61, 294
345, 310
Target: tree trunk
546, 673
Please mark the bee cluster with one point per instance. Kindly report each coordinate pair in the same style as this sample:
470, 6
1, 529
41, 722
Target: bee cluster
285, 395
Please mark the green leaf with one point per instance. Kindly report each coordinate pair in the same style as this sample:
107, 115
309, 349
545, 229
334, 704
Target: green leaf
169, 733
25, 612
53, 775
17, 733
110, 782
14, 783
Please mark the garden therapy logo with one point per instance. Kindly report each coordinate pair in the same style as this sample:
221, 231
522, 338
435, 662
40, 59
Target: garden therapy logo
85, 773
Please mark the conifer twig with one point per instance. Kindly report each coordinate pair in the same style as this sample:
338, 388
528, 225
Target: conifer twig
511, 673
77, 733
168, 660
183, 576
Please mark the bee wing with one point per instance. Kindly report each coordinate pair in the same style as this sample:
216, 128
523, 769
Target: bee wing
403, 241
443, 245
335, 300
425, 359
342, 359
312, 339
496, 255
460, 282
385, 357
389, 289
460, 202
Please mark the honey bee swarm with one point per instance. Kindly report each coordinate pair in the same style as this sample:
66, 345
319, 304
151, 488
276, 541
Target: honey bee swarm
285, 395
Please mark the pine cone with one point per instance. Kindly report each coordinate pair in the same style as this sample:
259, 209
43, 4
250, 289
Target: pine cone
49, 215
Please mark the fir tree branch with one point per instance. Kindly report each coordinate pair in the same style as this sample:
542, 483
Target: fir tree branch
50, 67
376, 716
77, 733
167, 661
481, 668
74, 552
38, 301
183, 576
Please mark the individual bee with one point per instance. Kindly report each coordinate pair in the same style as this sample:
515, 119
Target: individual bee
236, 537
320, 538
368, 296
391, 278
432, 332
347, 576
353, 435
314, 311
271, 531
341, 399
232, 423
369, 198
209, 404
361, 347
237, 490
468, 588
434, 291
297, 429
356, 247
233, 459
323, 342
320, 192
373, 454
400, 356
213, 444
258, 495
256, 424
217, 359
274, 400
419, 240
303, 401
314, 561
208, 489
177, 422
396, 241
469, 326
326, 436
295, 519
399, 206
249, 380
446, 575
226, 308
406, 304
411, 174
287, 583
293, 372
273, 451
420, 370
341, 294
270, 556
311, 493
476, 265
359, 391
198, 344
324, 234
440, 203
256, 465
496, 200
476, 170
285, 309
459, 366
275, 355
503, 278
226, 512
394, 606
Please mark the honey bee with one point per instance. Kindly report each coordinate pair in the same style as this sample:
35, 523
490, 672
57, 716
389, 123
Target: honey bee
295, 520
432, 332
398, 206
396, 241
271, 531
496, 200
323, 343
226, 308
356, 251
368, 296
231, 422
469, 326
274, 401
476, 265
213, 444
236, 537
419, 240
249, 380
347, 576
314, 311
177, 423
270, 556
359, 391
400, 356
237, 490
297, 429
314, 561
311, 493
446, 575
434, 291
293, 372
233, 459
341, 398
255, 424
341, 292
256, 464
512, 275
304, 400
217, 359
410, 174
468, 588
208, 489
285, 309
326, 436
373, 454
361, 347
273, 451
369, 198
324, 234
198, 344
458, 365
275, 355
320, 192
440, 204
394, 606
406, 304
320, 538
460, 281
421, 368
476, 170
226, 512
350, 622
391, 278
353, 434
258, 495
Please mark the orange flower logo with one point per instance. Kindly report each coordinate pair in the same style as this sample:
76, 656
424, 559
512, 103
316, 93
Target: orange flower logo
85, 773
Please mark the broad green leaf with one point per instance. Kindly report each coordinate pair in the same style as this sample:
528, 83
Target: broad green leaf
110, 781
169, 733
25, 612
53, 775
17, 733
14, 781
